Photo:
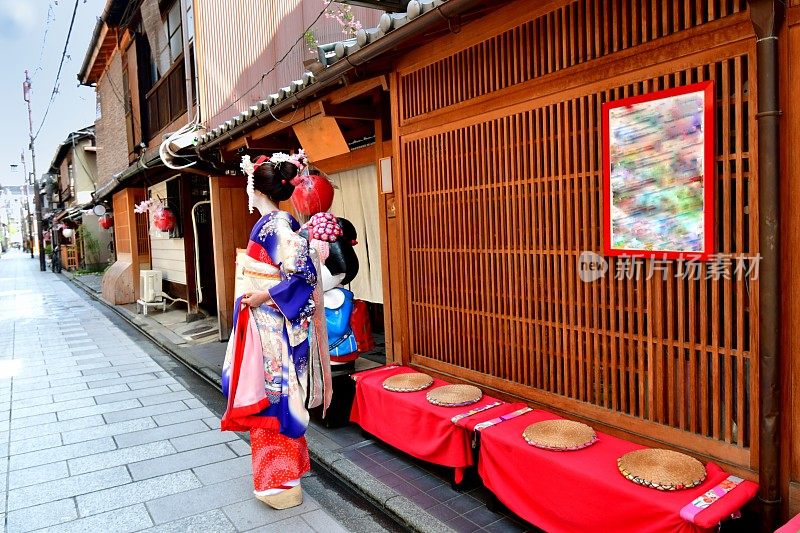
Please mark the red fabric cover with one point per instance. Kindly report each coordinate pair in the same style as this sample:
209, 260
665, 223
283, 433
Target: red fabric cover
408, 422
583, 490
792, 526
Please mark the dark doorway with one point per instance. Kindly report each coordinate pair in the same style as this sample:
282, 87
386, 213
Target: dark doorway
204, 245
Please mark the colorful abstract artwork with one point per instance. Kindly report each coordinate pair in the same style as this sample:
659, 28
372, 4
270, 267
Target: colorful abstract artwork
658, 174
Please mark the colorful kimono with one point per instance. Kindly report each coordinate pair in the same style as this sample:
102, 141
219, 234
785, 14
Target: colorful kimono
276, 363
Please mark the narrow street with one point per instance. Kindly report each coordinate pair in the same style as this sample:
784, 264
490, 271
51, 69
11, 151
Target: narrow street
103, 432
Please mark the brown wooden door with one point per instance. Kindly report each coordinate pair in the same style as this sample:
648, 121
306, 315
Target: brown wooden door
231, 224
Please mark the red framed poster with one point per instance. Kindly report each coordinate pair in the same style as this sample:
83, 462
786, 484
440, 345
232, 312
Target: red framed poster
658, 174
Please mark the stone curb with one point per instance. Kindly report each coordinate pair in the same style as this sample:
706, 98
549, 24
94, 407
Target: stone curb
402, 510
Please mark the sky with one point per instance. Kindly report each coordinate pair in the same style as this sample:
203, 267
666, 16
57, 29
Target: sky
32, 36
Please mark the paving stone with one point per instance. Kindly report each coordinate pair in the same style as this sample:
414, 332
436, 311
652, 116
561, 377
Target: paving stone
51, 408
118, 369
38, 383
61, 453
225, 470
38, 474
125, 520
182, 416
140, 412
295, 524
38, 443
240, 447
123, 381
108, 430
319, 520
169, 397
32, 402
127, 395
98, 409
66, 488
137, 492
144, 370
33, 420
161, 433
89, 393
42, 516
213, 423
210, 521
193, 403
119, 457
155, 382
199, 500
251, 513
180, 461
199, 440
56, 427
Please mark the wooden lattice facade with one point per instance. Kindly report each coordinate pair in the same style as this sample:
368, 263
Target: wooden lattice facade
499, 193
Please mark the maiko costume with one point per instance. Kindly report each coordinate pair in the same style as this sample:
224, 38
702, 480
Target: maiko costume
276, 366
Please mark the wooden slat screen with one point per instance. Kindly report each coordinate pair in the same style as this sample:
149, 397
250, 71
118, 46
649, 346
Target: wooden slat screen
498, 213
578, 32
142, 226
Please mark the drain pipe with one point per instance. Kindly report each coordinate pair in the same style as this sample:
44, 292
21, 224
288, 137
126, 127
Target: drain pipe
767, 18
197, 252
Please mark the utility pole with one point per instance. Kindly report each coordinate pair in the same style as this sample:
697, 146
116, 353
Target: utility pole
28, 216
26, 92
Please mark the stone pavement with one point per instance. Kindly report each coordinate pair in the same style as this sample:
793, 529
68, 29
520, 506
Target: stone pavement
96, 436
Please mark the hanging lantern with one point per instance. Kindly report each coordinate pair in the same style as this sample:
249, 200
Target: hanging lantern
164, 219
313, 194
106, 221
68, 233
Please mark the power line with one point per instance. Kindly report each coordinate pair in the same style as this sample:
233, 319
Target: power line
271, 70
50, 18
60, 66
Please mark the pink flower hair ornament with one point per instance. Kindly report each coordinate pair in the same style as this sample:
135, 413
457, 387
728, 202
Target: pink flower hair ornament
323, 227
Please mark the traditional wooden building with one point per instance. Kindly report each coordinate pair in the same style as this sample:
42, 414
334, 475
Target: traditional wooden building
492, 118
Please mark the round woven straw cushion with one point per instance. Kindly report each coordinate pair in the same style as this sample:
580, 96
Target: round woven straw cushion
454, 395
662, 469
559, 435
410, 382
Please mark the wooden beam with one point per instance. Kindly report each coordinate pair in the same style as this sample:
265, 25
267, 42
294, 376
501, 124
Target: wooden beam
271, 144
359, 88
351, 111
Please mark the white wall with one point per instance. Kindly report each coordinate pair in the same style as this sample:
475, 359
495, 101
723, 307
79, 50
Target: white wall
168, 255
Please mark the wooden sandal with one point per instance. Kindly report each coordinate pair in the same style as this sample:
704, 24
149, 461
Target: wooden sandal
291, 497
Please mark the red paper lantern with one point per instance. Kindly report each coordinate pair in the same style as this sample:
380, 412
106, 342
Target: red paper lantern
106, 221
314, 194
164, 219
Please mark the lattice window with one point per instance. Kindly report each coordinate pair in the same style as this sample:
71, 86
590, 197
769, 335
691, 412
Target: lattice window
498, 214
573, 34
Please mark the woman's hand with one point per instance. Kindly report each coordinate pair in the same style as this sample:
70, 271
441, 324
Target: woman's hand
256, 299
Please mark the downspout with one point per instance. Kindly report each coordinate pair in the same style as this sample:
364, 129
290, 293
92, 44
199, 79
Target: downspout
187, 62
197, 251
767, 17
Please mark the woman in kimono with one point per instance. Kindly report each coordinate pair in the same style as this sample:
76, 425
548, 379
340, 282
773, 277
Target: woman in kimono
276, 366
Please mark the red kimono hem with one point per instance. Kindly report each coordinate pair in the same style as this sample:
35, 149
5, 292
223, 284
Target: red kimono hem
247, 410
247, 423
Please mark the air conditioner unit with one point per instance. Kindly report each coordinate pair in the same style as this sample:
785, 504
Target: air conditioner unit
151, 285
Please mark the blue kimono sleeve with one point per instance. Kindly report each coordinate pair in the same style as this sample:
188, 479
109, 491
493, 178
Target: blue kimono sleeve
293, 293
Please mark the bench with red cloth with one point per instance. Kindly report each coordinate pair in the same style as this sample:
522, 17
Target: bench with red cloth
792, 526
408, 422
557, 491
584, 491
